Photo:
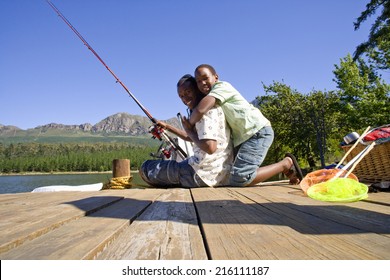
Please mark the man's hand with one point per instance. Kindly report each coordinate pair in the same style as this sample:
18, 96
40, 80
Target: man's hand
162, 124
186, 124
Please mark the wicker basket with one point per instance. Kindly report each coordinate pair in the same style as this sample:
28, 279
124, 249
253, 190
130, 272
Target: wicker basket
375, 166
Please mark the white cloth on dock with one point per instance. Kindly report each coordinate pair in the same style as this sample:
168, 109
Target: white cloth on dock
85, 188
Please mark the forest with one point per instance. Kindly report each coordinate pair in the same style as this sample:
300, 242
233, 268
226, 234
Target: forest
312, 125
69, 157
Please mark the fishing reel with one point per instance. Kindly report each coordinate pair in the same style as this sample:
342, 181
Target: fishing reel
156, 131
169, 148
165, 150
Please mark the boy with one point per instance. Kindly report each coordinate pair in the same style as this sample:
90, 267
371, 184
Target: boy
252, 132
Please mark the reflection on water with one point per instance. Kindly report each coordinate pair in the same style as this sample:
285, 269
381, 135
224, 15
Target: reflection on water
26, 183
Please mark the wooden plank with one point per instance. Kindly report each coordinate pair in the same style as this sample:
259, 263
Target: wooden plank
86, 237
379, 198
23, 202
366, 215
26, 221
168, 230
236, 227
9, 197
24, 205
341, 226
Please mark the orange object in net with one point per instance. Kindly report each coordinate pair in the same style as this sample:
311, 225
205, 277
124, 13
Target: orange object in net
320, 176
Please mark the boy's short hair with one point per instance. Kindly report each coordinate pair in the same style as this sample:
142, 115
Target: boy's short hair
186, 78
208, 66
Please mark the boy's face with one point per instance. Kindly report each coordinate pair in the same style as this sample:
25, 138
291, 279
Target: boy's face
189, 95
205, 79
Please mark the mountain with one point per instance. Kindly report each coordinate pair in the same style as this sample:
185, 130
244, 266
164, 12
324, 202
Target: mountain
117, 124
123, 123
8, 130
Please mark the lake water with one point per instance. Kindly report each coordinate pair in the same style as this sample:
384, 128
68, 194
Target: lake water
26, 183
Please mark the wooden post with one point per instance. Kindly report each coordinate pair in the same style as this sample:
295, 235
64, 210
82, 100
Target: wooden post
120, 168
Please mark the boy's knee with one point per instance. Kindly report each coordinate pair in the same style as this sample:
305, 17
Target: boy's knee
240, 180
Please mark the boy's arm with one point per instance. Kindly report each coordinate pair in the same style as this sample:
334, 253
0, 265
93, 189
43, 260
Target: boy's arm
179, 132
204, 105
207, 145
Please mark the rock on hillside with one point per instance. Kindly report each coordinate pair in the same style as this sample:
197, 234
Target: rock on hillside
123, 123
55, 126
9, 130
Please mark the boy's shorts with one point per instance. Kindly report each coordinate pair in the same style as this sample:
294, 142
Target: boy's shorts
170, 173
250, 156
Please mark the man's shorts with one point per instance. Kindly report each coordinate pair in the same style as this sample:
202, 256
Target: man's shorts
170, 173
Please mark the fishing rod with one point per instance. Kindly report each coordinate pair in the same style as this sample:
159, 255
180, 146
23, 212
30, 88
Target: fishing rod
155, 130
186, 143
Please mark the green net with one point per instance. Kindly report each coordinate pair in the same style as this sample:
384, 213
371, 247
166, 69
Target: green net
338, 190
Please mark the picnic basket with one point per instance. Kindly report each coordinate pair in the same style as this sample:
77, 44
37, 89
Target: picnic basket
375, 167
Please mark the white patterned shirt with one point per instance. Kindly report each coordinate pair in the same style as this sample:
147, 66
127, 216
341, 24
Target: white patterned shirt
213, 169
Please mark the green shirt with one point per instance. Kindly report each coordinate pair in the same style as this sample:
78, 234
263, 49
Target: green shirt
243, 118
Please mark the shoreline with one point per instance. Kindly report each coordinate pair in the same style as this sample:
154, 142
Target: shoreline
60, 173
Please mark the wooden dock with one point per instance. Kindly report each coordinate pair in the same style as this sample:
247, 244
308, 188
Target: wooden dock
273, 221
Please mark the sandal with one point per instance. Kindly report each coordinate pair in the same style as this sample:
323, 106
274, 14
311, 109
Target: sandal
294, 171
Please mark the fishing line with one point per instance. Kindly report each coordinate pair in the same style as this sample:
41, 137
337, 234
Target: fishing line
101, 60
157, 132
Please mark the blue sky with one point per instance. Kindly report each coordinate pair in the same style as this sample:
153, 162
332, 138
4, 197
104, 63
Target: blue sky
48, 75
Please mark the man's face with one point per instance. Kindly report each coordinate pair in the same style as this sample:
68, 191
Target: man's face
205, 79
188, 95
